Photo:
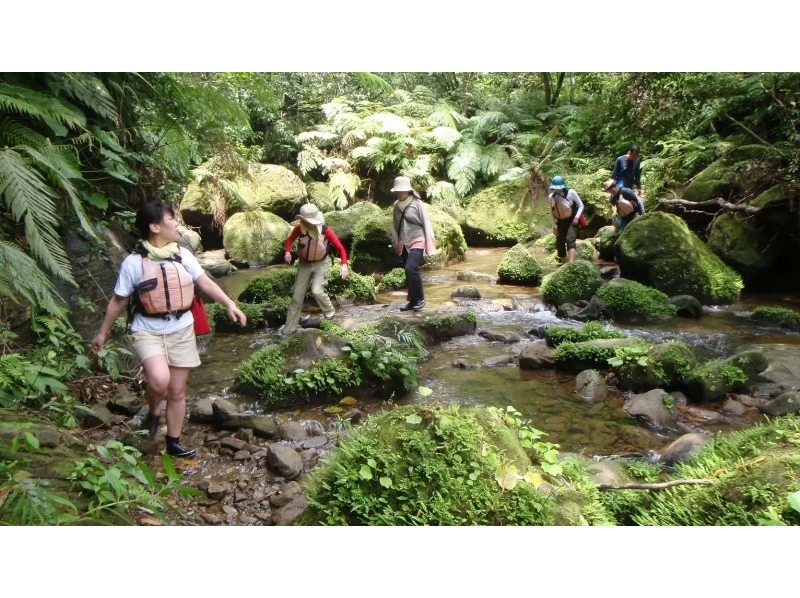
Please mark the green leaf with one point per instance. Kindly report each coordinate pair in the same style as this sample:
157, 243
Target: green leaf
424, 391
365, 473
385, 482
413, 419
97, 200
614, 361
169, 467
794, 500
553, 469
372, 464
32, 441
366, 354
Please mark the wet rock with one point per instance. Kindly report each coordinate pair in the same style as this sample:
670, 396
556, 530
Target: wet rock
607, 472
241, 455
92, 416
490, 335
218, 489
597, 309
591, 385
784, 363
47, 436
229, 511
263, 426
650, 407
470, 276
609, 272
215, 264
190, 239
202, 411
247, 520
125, 402
309, 457
313, 427
285, 495
292, 431
245, 434
568, 311
684, 447
233, 443
284, 461
211, 519
264, 516
461, 364
748, 401
733, 407
767, 391
499, 361
315, 442
466, 292
788, 402
536, 356
354, 415
240, 496
679, 398
286, 515
687, 306
259, 455
700, 415
212, 438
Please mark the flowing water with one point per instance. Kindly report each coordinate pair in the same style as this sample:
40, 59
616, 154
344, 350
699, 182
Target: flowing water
546, 397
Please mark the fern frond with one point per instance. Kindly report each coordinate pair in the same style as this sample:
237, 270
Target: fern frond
13, 133
443, 194
46, 245
20, 276
332, 109
24, 101
444, 137
514, 174
365, 152
309, 159
332, 164
321, 137
494, 160
343, 185
464, 165
351, 138
386, 123
89, 91
373, 82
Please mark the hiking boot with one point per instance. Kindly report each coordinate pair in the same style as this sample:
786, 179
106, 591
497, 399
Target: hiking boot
282, 331
330, 316
407, 307
305, 319
174, 449
151, 423
419, 305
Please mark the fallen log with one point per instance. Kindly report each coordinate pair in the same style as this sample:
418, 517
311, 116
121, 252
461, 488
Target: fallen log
714, 205
659, 486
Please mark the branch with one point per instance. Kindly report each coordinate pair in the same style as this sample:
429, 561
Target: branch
753, 133
714, 204
659, 486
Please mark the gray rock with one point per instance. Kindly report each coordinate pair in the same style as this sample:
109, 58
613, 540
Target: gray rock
284, 461
354, 415
125, 402
202, 410
609, 272
190, 240
591, 385
264, 516
748, 401
233, 443
536, 356
313, 427
229, 511
733, 407
240, 496
490, 335
788, 402
285, 495
607, 472
247, 520
48, 436
309, 457
461, 364
218, 489
263, 426
784, 363
679, 397
241, 455
499, 361
466, 292
214, 263
650, 407
258, 455
687, 306
315, 442
211, 519
93, 416
470, 276
292, 431
286, 515
245, 434
596, 310
684, 447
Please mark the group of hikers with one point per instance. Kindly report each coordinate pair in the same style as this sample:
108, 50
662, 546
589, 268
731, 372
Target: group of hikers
625, 195
156, 284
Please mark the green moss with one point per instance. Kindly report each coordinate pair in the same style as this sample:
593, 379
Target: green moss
547, 242
605, 240
255, 237
275, 282
518, 266
221, 321
568, 355
437, 465
752, 470
779, 316
343, 222
713, 380
450, 243
555, 335
740, 244
714, 181
493, 216
393, 280
666, 366
633, 302
357, 288
659, 250
771, 195
264, 372
571, 282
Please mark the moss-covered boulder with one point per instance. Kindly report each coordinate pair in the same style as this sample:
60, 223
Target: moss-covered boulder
255, 238
635, 303
573, 281
547, 242
518, 266
499, 215
665, 365
555, 335
343, 222
783, 360
587, 355
779, 316
753, 472
716, 180
713, 380
318, 195
372, 241
434, 327
741, 245
604, 241
393, 280
446, 465
659, 250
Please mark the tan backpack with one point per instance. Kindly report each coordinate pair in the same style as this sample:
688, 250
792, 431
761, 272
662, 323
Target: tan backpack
310, 249
166, 288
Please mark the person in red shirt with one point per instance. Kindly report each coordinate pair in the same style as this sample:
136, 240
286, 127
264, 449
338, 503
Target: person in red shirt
313, 240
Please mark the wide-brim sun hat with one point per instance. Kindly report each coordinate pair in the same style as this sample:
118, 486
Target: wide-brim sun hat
311, 214
558, 182
608, 184
402, 183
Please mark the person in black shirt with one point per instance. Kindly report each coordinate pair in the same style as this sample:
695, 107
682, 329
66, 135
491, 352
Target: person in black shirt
627, 171
628, 205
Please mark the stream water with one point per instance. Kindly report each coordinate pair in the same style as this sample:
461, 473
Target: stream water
547, 397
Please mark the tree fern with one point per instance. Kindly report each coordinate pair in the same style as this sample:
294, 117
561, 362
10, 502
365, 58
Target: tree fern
88, 90
463, 167
444, 137
342, 188
24, 101
386, 123
21, 277
309, 159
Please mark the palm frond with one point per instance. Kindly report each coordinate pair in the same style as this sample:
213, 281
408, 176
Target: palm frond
373, 82
20, 276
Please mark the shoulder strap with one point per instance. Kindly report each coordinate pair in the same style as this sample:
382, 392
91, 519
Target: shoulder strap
402, 218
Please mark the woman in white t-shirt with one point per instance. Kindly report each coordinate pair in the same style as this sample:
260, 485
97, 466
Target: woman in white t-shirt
166, 344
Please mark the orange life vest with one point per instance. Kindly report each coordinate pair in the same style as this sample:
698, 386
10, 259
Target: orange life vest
166, 288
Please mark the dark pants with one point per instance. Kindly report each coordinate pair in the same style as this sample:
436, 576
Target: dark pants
566, 237
412, 260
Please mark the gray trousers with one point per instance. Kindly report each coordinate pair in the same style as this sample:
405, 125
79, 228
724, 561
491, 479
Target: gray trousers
315, 273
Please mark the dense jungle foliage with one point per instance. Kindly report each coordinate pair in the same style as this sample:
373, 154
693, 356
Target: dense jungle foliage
82, 151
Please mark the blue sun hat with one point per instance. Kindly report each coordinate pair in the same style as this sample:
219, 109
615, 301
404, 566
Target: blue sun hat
558, 182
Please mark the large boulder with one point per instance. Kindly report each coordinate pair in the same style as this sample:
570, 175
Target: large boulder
215, 263
501, 215
343, 222
372, 242
716, 180
779, 316
518, 266
635, 303
666, 366
572, 282
190, 239
783, 360
655, 407
741, 245
659, 250
255, 238
604, 241
713, 380
683, 448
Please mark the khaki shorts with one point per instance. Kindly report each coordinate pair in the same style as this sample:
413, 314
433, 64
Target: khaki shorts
179, 347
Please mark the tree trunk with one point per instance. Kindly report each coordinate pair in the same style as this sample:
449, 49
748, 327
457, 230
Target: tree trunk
572, 88
559, 85
548, 91
465, 77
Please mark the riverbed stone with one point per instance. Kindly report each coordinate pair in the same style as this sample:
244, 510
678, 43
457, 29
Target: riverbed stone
687, 306
286, 515
536, 356
93, 416
466, 292
498, 361
734, 407
684, 447
215, 263
650, 407
286, 494
607, 472
315, 442
470, 276
284, 461
788, 402
218, 488
234, 444
125, 402
591, 385
491, 335
292, 430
